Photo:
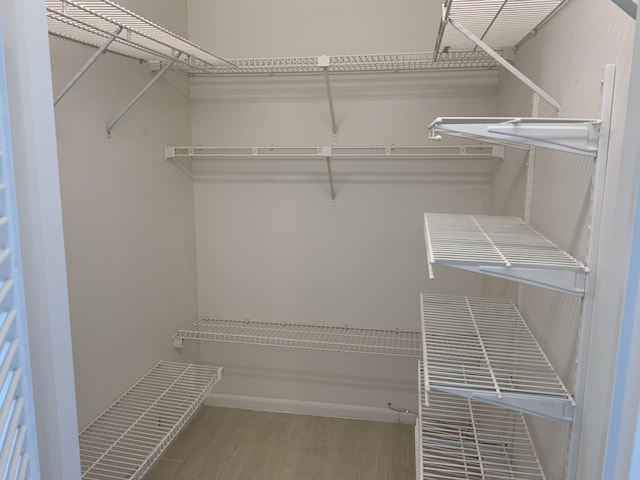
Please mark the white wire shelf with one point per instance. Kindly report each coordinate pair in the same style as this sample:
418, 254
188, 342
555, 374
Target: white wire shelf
461, 439
128, 437
359, 63
504, 247
572, 135
482, 349
317, 337
500, 23
92, 22
342, 151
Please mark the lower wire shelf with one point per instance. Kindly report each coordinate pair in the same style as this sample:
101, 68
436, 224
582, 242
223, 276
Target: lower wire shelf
482, 349
457, 438
127, 438
401, 343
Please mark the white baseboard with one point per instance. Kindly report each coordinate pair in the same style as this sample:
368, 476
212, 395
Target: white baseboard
301, 407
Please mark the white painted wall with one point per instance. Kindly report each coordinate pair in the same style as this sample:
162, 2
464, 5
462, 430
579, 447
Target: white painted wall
128, 215
271, 247
246, 28
566, 58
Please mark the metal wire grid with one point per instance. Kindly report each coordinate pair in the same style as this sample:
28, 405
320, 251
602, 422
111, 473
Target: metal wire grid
382, 62
500, 23
462, 439
126, 439
92, 22
484, 344
318, 337
485, 239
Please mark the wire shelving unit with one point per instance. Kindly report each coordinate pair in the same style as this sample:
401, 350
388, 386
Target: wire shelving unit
500, 23
397, 342
461, 439
128, 437
482, 349
358, 63
504, 247
92, 22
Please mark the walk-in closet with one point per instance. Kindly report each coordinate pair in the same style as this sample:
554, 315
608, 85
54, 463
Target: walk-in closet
328, 240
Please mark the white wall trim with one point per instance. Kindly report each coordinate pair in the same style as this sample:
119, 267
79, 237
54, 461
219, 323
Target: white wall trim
302, 407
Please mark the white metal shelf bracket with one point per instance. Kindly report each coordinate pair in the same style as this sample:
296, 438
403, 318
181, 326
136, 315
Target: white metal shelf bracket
324, 62
555, 409
579, 136
87, 65
144, 90
510, 68
326, 152
567, 281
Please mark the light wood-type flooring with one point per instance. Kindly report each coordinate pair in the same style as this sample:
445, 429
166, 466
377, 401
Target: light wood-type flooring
230, 444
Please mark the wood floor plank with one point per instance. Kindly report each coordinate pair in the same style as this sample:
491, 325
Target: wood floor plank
231, 444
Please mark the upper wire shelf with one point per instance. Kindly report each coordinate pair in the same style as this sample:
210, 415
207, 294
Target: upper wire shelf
317, 337
91, 22
483, 349
127, 438
461, 439
499, 23
572, 135
504, 247
339, 151
358, 63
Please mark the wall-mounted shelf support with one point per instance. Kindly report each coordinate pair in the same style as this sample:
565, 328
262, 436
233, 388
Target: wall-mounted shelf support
333, 192
510, 68
87, 65
579, 136
326, 152
144, 90
554, 409
324, 62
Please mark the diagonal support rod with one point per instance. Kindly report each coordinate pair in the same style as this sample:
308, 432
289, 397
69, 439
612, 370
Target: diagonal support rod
87, 65
334, 126
498, 58
157, 77
333, 192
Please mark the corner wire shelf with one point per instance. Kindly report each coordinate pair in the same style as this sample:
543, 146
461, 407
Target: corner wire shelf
128, 437
572, 135
504, 247
94, 22
339, 151
499, 23
461, 439
316, 337
482, 349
